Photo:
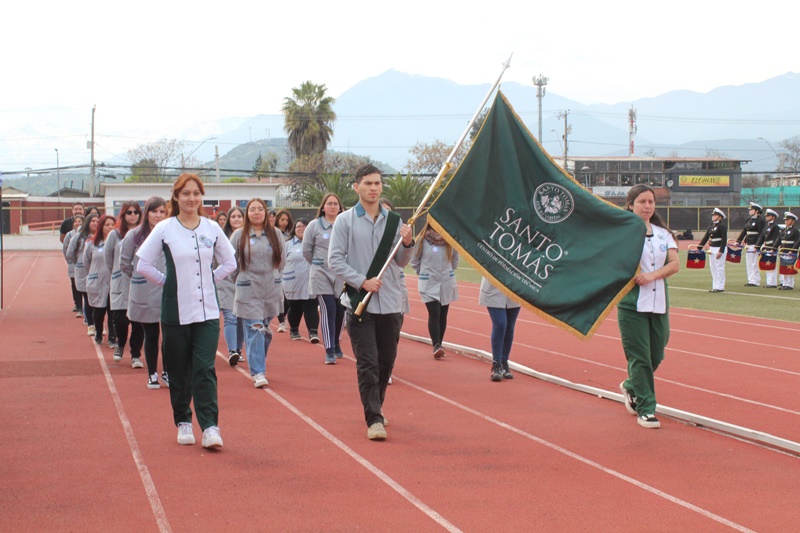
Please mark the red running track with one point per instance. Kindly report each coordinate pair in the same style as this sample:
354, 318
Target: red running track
88, 447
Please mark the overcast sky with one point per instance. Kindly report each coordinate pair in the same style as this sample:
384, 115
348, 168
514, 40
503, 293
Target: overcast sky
156, 68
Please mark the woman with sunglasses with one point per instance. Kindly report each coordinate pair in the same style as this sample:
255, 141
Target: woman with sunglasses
144, 299
129, 217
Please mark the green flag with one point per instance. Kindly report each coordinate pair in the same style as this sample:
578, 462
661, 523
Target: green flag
533, 231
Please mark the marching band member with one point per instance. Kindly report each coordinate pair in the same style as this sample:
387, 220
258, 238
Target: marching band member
749, 236
788, 240
716, 236
766, 240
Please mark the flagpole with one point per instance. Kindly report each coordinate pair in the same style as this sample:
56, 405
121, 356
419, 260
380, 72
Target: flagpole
442, 172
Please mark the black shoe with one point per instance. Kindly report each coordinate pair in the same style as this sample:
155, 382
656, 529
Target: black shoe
497, 371
438, 351
717, 290
785, 288
506, 372
750, 285
233, 357
770, 286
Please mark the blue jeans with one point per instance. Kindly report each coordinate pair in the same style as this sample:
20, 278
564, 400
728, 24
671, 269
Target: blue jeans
503, 322
233, 330
257, 338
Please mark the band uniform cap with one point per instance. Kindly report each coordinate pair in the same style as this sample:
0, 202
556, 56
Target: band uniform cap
787, 215
772, 213
755, 206
718, 211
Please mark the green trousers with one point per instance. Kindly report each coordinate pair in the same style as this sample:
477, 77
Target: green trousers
191, 351
644, 337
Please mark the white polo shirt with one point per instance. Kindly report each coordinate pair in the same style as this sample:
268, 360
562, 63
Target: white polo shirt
652, 298
190, 294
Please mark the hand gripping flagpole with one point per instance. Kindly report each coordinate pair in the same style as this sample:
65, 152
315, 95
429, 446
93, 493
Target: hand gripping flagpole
442, 173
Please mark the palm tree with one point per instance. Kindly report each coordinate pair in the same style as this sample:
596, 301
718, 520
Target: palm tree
313, 192
404, 191
308, 119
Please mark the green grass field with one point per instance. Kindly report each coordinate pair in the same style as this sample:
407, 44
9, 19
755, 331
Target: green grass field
689, 289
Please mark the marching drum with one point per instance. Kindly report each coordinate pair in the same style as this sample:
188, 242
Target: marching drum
767, 259
696, 259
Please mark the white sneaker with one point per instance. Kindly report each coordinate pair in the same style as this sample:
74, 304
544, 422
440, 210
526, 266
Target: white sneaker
212, 438
282, 327
152, 382
260, 380
136, 363
91, 331
185, 434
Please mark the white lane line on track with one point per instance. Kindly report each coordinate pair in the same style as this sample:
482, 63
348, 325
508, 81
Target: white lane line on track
768, 296
19, 288
617, 338
620, 369
686, 313
149, 487
582, 459
394, 485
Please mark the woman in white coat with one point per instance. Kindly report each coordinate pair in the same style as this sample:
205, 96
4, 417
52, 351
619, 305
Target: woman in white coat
435, 263
260, 256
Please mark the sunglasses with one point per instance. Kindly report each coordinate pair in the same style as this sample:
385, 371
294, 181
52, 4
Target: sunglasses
131, 212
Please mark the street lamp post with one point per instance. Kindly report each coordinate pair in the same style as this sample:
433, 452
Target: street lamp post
184, 159
779, 169
28, 170
58, 177
540, 82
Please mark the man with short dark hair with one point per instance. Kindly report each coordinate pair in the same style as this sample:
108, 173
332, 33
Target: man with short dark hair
66, 225
361, 243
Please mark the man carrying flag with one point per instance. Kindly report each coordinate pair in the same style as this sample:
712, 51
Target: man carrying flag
361, 242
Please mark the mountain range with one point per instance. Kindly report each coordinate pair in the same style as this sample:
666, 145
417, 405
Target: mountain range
385, 115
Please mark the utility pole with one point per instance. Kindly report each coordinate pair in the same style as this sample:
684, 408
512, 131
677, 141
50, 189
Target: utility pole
567, 131
540, 84
216, 159
58, 177
632, 128
91, 147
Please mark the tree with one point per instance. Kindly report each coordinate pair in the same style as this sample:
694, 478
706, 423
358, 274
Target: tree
266, 165
405, 191
144, 171
235, 179
308, 119
713, 152
311, 193
429, 158
329, 163
789, 160
164, 154
476, 128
